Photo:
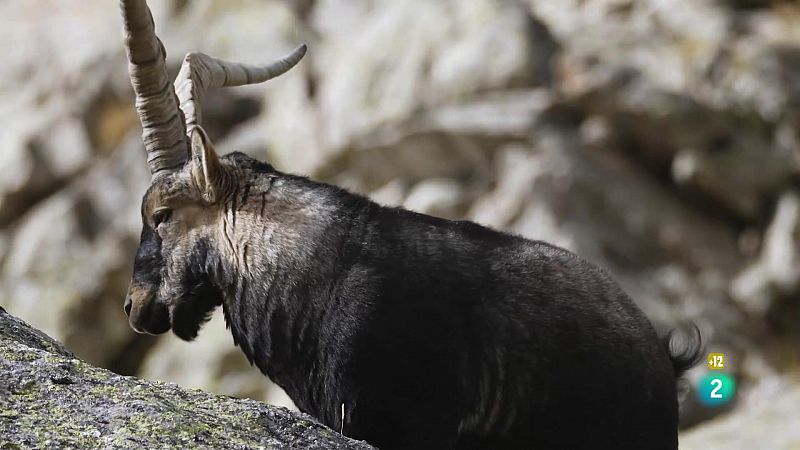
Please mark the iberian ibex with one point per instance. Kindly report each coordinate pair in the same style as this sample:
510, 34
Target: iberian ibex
402, 329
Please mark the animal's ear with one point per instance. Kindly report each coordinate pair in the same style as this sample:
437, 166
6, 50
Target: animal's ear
208, 174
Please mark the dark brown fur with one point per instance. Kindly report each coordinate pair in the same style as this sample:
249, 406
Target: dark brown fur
431, 333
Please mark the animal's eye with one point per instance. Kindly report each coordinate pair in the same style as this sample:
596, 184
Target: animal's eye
161, 215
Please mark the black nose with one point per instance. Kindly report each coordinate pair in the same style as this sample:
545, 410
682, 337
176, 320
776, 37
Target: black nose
128, 305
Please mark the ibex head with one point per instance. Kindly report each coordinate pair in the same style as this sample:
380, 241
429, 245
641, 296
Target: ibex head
184, 209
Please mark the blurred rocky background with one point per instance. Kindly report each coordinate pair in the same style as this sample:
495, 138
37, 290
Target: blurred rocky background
659, 139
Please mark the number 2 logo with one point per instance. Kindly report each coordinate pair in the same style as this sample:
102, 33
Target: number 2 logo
717, 383
716, 389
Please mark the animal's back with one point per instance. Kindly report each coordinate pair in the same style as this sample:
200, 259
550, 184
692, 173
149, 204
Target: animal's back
593, 372
521, 342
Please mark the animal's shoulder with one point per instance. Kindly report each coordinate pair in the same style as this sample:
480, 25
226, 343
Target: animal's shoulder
244, 161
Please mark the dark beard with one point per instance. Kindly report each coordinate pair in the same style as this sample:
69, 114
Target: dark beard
194, 309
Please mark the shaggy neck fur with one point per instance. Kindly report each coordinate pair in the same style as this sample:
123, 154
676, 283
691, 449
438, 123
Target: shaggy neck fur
279, 283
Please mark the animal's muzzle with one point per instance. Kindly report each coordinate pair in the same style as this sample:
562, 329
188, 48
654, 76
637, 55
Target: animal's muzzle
145, 314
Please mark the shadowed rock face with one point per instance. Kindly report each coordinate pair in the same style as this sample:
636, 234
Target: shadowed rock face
49, 399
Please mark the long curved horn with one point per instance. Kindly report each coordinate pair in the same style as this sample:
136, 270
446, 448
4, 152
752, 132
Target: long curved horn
163, 130
201, 72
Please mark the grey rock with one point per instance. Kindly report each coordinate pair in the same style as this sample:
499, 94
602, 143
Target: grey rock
776, 273
14, 329
439, 197
49, 399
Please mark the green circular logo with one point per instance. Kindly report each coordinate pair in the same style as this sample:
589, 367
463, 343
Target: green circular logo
716, 389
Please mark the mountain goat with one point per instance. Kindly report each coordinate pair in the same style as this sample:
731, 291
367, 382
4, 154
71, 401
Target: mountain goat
402, 329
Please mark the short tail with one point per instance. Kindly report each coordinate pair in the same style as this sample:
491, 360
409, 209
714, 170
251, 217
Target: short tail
684, 353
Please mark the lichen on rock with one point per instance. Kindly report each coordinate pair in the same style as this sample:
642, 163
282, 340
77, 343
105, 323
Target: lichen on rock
49, 399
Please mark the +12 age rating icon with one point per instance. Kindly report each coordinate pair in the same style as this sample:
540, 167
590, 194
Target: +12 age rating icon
716, 388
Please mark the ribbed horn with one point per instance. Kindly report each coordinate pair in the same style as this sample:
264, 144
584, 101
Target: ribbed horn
201, 72
163, 130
